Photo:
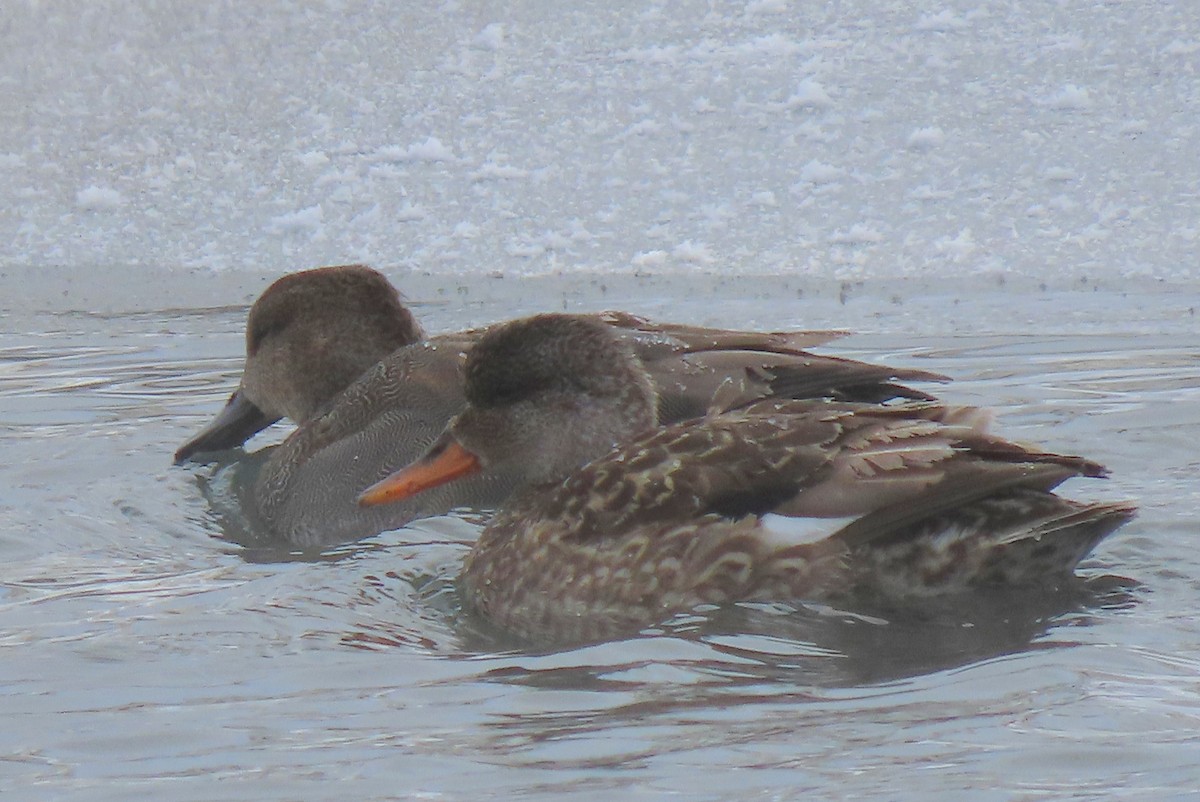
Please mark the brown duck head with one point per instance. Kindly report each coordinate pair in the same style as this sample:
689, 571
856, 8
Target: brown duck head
308, 336
545, 395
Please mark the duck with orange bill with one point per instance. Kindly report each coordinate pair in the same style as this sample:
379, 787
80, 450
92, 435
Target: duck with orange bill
619, 522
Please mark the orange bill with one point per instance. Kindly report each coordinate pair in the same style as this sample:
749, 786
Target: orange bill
445, 462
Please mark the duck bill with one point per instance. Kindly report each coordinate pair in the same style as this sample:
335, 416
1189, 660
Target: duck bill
235, 424
446, 461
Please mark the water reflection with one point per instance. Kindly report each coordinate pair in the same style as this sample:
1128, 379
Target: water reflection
825, 646
753, 675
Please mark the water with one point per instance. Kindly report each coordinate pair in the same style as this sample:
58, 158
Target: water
145, 654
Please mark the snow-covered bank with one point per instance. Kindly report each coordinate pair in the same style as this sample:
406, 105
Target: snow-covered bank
843, 141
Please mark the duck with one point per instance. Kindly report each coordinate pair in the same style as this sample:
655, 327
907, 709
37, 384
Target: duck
618, 522
336, 351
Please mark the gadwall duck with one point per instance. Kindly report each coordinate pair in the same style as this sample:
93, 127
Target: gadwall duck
335, 350
772, 501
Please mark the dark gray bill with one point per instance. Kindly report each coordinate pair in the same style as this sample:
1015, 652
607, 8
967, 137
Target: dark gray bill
235, 424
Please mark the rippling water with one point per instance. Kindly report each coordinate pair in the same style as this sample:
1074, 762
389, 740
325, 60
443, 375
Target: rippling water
146, 654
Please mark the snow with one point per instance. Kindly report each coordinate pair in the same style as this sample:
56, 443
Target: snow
431, 150
855, 140
926, 138
304, 219
91, 199
816, 172
491, 37
944, 20
809, 94
1070, 98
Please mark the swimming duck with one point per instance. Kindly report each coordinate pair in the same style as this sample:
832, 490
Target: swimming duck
618, 522
336, 350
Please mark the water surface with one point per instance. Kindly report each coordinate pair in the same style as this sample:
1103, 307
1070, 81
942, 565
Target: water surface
146, 654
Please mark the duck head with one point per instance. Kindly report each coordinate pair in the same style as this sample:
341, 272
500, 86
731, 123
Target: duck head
308, 337
545, 395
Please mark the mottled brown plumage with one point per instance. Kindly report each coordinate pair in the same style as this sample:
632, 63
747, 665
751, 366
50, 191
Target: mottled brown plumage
775, 500
335, 350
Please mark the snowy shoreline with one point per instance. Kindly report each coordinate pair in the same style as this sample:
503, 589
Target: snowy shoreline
912, 140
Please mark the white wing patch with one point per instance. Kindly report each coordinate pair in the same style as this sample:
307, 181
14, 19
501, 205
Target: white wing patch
782, 531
